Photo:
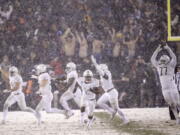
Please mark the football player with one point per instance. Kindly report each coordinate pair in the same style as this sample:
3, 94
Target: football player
177, 77
165, 67
111, 94
44, 81
177, 80
90, 87
16, 86
71, 89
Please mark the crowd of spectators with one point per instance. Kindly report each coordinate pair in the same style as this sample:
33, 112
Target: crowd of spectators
120, 33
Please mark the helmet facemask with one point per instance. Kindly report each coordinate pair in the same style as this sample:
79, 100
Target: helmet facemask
88, 75
88, 79
70, 67
13, 71
40, 69
164, 60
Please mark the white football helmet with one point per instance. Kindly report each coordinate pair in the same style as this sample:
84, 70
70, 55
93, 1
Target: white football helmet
70, 67
88, 75
104, 67
41, 68
164, 59
13, 70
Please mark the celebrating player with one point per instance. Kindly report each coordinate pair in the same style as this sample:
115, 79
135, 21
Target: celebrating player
165, 67
110, 94
16, 84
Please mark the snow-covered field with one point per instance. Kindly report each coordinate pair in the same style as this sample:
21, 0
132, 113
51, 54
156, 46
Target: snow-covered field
22, 123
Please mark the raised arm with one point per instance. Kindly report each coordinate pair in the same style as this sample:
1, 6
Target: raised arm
101, 73
83, 37
153, 58
65, 34
73, 36
171, 53
78, 37
132, 41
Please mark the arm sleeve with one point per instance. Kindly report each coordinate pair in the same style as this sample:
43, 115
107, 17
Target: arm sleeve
153, 58
173, 56
99, 70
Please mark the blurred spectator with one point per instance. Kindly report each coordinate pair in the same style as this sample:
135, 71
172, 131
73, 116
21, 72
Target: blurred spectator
5, 64
115, 32
97, 47
6, 14
116, 50
57, 66
69, 43
83, 50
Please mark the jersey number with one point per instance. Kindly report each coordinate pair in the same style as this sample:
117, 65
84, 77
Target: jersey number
163, 71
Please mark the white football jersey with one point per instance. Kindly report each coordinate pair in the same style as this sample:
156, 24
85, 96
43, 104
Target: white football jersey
87, 86
106, 83
166, 75
47, 88
16, 79
72, 74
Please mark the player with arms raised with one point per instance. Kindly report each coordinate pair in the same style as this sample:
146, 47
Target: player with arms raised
111, 94
165, 67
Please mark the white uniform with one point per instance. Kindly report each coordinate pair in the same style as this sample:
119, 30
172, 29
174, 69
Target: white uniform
71, 92
88, 99
46, 94
167, 79
110, 95
16, 96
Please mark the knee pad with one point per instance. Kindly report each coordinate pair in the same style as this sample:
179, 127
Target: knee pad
83, 109
90, 117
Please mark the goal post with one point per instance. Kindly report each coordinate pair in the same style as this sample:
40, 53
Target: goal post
170, 37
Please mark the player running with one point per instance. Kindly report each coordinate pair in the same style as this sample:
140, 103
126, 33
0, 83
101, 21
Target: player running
165, 67
44, 81
16, 86
90, 87
111, 94
71, 89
